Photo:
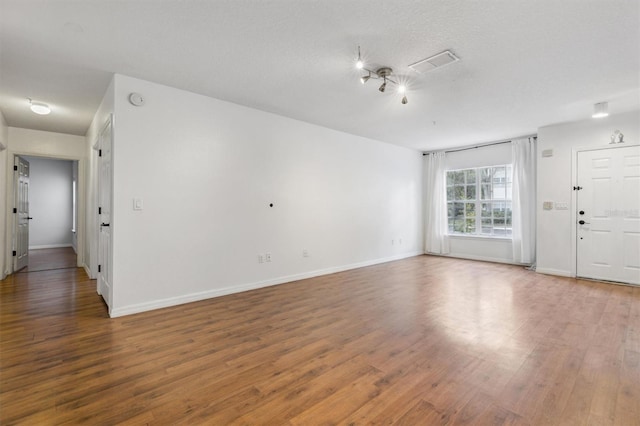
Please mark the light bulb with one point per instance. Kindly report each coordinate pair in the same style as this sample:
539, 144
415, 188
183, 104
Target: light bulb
384, 86
402, 88
364, 78
359, 64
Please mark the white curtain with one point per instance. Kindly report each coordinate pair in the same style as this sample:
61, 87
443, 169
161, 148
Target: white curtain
524, 200
436, 238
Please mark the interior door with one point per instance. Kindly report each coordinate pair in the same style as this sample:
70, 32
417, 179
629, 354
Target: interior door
608, 214
104, 214
21, 203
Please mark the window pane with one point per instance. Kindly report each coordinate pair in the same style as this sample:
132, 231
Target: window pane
450, 193
458, 210
471, 175
471, 192
471, 226
509, 191
451, 222
499, 191
458, 192
485, 190
471, 210
485, 175
486, 210
450, 178
450, 211
458, 176
487, 226
498, 174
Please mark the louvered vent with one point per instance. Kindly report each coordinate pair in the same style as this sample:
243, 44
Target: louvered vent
435, 61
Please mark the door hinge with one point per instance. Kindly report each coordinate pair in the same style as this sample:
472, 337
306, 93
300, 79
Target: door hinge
15, 253
15, 168
99, 210
99, 268
577, 188
99, 153
15, 210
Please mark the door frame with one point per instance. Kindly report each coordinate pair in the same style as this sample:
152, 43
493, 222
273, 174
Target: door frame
11, 220
574, 196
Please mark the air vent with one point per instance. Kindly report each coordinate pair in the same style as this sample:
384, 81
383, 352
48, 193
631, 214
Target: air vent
435, 61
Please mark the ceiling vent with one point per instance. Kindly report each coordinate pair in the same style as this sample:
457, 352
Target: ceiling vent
435, 61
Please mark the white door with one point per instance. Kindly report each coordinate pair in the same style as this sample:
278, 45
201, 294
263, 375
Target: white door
21, 206
608, 214
104, 214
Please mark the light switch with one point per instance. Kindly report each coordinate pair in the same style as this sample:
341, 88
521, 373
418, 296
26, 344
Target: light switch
547, 205
137, 203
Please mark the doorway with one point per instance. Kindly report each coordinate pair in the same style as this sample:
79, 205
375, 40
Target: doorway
46, 235
608, 214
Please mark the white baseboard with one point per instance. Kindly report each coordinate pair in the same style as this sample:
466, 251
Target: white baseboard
551, 271
480, 258
48, 246
194, 297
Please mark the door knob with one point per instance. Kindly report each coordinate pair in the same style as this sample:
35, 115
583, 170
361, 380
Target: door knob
581, 212
104, 224
582, 222
29, 218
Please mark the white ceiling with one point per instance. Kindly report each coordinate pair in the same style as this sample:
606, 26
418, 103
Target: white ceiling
524, 63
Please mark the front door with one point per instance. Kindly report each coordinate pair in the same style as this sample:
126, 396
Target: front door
21, 203
608, 214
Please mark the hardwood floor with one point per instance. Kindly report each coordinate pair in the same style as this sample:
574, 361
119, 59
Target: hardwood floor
52, 258
421, 341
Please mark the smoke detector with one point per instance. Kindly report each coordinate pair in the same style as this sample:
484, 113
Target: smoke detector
435, 61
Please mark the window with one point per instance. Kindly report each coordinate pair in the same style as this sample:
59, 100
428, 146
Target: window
479, 201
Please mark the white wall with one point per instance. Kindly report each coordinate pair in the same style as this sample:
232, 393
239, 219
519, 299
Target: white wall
555, 183
4, 211
43, 144
475, 247
50, 202
207, 171
90, 251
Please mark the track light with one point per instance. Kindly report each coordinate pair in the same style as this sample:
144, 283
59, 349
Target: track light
383, 73
39, 108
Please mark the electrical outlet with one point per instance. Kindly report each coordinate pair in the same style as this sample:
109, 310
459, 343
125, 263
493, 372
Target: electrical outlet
305, 253
260, 258
267, 257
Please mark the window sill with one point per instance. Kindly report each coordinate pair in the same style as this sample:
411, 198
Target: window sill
479, 237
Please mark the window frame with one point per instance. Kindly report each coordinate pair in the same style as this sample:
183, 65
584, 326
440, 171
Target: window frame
467, 204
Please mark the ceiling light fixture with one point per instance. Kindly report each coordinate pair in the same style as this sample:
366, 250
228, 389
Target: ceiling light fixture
600, 110
383, 73
39, 107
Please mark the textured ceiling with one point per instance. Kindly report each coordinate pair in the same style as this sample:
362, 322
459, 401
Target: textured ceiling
524, 63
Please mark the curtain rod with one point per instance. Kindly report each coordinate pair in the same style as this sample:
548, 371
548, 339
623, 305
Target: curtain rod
481, 146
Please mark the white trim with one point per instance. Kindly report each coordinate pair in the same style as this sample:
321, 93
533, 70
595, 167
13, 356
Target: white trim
48, 246
194, 297
480, 258
558, 272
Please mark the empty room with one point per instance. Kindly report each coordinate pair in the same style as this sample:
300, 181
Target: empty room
287, 212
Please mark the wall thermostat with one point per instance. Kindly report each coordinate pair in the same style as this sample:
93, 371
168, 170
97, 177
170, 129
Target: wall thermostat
136, 99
